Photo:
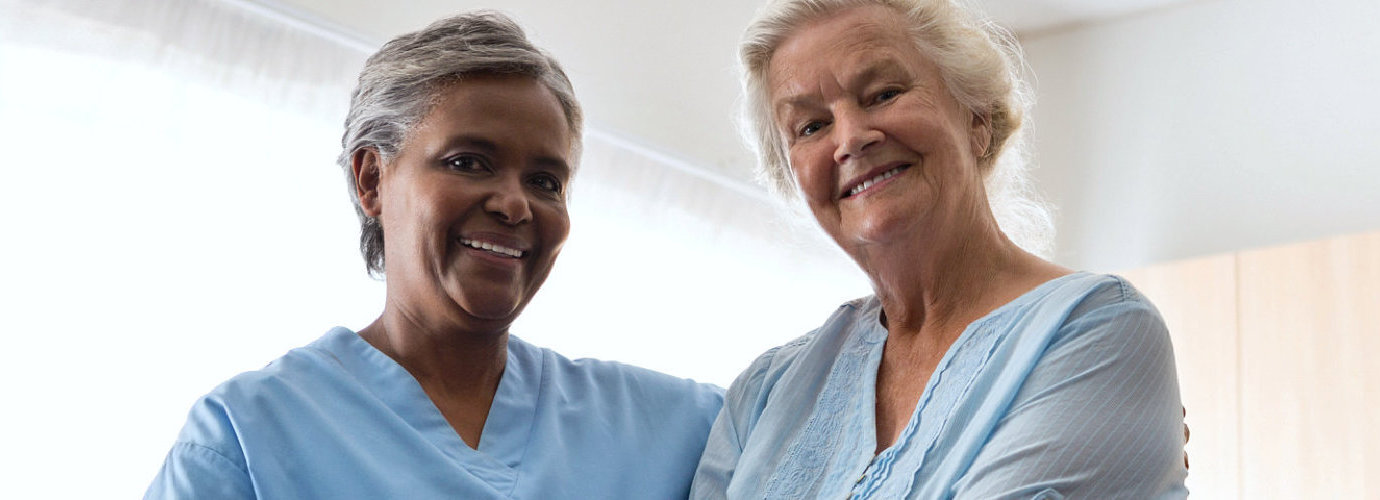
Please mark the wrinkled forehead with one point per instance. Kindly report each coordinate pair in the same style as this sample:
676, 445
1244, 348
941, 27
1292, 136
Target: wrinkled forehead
848, 38
824, 58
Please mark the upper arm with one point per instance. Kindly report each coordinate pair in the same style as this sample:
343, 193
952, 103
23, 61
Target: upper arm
207, 460
742, 403
193, 471
719, 460
1098, 417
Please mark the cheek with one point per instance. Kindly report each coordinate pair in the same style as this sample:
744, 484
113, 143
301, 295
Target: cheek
558, 236
398, 219
427, 221
556, 228
424, 215
813, 173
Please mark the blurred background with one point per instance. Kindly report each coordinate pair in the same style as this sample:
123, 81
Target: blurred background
175, 216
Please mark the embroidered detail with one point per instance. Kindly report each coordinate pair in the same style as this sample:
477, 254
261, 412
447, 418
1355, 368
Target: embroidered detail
816, 446
831, 454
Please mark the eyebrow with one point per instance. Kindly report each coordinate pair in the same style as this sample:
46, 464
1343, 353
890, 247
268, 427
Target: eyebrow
555, 163
473, 141
887, 66
488, 146
880, 68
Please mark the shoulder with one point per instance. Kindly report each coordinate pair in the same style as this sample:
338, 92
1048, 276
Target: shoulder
297, 373
617, 383
754, 385
1111, 306
1081, 307
1099, 413
1112, 342
305, 373
1109, 290
768, 367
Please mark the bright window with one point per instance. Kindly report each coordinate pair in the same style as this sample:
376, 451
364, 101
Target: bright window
175, 217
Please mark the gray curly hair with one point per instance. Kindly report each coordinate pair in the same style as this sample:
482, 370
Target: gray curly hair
979, 62
398, 87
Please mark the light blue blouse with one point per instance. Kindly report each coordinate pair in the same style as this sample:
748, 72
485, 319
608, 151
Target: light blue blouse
339, 419
1067, 391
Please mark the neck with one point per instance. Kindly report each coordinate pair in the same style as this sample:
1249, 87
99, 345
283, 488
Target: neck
448, 362
935, 287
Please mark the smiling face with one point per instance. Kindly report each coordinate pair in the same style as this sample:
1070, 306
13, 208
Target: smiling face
880, 149
473, 206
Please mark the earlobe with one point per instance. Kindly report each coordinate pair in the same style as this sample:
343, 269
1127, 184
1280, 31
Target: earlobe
366, 166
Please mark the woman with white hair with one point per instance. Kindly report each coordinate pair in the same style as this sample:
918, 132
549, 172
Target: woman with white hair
977, 370
459, 144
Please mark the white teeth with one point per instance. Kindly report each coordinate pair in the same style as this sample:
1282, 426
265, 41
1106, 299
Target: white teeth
498, 249
879, 178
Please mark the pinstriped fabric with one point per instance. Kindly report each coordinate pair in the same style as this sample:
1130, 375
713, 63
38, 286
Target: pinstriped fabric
1067, 392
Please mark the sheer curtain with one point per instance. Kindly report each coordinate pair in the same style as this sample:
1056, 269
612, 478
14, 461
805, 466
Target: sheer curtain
175, 217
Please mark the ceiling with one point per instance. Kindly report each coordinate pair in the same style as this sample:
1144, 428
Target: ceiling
659, 75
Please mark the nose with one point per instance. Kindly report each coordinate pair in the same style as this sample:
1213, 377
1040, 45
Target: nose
508, 202
855, 133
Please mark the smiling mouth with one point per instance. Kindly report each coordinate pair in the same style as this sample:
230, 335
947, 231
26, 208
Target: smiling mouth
878, 178
492, 248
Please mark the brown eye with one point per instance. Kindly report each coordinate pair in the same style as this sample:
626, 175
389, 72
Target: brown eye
466, 163
810, 129
546, 182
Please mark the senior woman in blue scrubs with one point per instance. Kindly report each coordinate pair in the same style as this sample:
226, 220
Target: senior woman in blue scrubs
977, 370
459, 146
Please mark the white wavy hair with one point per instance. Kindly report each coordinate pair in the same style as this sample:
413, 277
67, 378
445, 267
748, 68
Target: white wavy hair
980, 63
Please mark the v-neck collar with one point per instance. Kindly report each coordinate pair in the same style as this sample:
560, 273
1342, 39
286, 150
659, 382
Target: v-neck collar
507, 429
873, 335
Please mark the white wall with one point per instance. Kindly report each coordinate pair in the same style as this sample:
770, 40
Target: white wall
1209, 127
659, 73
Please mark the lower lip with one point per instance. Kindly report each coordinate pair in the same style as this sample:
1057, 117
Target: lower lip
490, 257
875, 186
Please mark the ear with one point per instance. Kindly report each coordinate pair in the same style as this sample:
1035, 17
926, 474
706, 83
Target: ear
981, 134
366, 166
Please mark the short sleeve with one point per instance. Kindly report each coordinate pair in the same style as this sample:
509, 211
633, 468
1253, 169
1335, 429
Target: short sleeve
1098, 417
206, 462
193, 471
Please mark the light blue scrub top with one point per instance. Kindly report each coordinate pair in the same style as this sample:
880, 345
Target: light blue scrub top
339, 419
1066, 392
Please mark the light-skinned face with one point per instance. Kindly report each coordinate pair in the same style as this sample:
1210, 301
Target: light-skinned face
882, 152
473, 206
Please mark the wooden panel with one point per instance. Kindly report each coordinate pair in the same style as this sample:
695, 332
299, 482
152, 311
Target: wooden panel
1198, 301
1310, 318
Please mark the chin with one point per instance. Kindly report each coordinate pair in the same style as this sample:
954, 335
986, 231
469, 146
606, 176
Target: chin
492, 309
883, 227
490, 305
